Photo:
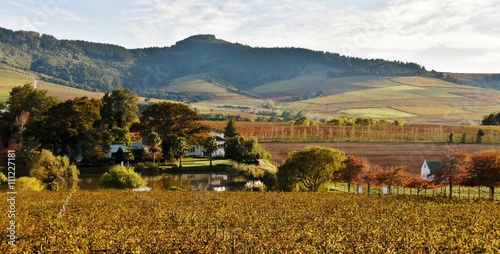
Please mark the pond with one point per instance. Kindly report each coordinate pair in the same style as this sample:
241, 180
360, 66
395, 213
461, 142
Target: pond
197, 181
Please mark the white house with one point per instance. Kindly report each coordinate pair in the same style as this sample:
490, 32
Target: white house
199, 150
426, 168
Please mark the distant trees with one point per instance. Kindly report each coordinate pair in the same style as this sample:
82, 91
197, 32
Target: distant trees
312, 167
359, 121
491, 119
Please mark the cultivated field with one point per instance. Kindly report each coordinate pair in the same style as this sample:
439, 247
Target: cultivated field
247, 222
384, 154
11, 79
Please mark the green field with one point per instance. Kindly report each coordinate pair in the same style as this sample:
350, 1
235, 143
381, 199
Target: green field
11, 79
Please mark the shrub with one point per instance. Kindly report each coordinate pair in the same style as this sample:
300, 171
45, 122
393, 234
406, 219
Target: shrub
3, 178
26, 183
53, 186
121, 177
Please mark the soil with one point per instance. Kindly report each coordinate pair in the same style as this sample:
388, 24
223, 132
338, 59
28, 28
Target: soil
384, 154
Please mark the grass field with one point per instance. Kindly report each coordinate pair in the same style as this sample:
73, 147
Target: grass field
11, 79
249, 222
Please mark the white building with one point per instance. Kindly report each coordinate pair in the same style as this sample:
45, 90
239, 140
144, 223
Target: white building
200, 151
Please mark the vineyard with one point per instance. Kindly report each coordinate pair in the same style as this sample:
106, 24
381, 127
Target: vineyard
247, 222
270, 132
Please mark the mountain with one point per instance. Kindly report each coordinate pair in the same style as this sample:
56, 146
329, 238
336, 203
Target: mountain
147, 71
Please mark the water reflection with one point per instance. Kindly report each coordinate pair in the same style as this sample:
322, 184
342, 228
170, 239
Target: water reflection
206, 181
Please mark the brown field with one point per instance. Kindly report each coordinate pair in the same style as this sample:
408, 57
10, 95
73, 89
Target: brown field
384, 154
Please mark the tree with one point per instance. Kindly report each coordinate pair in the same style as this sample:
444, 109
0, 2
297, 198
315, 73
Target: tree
179, 148
391, 176
211, 146
450, 138
246, 150
230, 131
354, 170
46, 166
69, 127
454, 169
479, 136
153, 142
312, 167
119, 108
171, 120
486, 170
418, 182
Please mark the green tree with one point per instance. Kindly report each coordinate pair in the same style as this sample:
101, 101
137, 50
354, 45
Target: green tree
46, 166
119, 108
479, 136
153, 142
244, 149
211, 145
312, 167
121, 177
171, 120
230, 131
179, 148
70, 127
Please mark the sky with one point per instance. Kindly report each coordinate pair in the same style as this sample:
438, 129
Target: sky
444, 35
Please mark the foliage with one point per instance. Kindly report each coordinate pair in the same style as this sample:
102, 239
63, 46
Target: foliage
3, 178
25, 183
171, 120
211, 145
120, 177
246, 150
455, 168
486, 169
179, 148
46, 166
312, 167
230, 131
114, 221
70, 127
354, 170
119, 108
491, 119
53, 186
153, 142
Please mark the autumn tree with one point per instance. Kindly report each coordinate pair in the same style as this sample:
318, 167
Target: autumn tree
153, 141
416, 181
486, 169
312, 167
454, 169
369, 176
390, 176
211, 145
354, 170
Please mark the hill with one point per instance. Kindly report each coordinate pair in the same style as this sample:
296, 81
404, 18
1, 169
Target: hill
218, 77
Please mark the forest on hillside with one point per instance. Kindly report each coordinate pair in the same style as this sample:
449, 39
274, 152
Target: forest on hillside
104, 67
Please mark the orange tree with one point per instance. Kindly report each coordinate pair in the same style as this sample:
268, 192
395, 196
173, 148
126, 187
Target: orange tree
354, 169
486, 169
454, 169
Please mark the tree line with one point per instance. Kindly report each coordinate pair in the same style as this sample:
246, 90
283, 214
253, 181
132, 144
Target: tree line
316, 167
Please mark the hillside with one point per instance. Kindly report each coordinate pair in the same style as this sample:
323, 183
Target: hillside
219, 77
102, 67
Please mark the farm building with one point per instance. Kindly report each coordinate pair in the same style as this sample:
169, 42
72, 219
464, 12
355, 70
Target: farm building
200, 151
427, 168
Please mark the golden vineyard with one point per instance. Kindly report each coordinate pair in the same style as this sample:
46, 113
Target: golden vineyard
247, 222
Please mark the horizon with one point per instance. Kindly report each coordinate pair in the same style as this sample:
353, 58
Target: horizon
446, 36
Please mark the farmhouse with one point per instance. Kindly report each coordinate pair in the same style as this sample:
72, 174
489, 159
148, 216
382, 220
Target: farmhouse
427, 167
200, 151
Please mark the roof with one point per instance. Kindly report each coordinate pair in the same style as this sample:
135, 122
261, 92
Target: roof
217, 138
433, 164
